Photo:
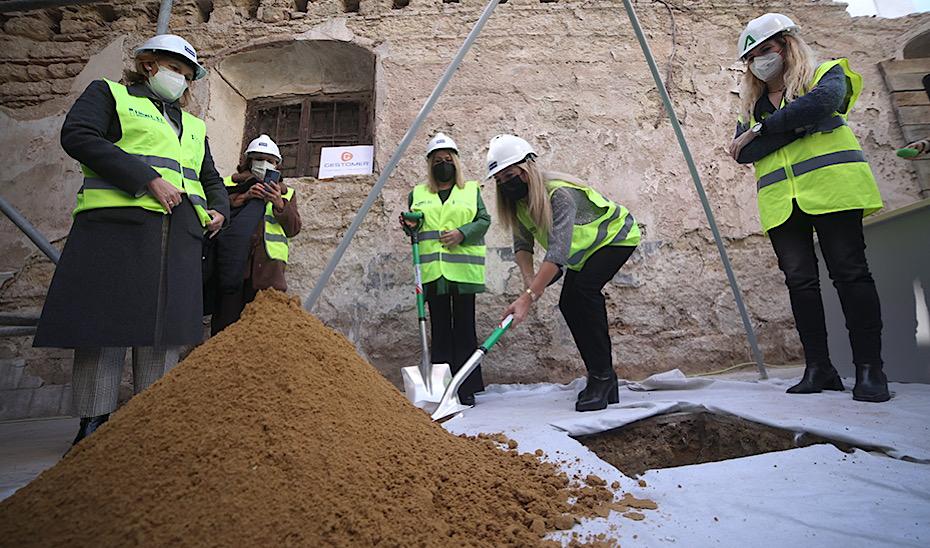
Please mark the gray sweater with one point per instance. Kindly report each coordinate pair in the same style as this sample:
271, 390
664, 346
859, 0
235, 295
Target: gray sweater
570, 207
781, 127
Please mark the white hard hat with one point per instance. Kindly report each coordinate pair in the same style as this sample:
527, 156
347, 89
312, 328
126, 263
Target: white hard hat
172, 43
761, 29
264, 144
441, 141
506, 150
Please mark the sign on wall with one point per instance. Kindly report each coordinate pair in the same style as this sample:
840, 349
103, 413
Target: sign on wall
336, 161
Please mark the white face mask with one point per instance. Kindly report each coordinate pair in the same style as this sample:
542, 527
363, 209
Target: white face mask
767, 66
259, 167
167, 84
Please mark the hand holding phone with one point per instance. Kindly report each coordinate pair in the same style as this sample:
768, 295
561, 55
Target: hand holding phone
271, 176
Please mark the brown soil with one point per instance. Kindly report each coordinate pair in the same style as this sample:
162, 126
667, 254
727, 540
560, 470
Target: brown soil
680, 439
277, 433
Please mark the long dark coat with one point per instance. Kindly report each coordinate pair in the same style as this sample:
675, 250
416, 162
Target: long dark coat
106, 288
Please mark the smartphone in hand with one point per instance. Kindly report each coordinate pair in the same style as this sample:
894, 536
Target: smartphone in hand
271, 176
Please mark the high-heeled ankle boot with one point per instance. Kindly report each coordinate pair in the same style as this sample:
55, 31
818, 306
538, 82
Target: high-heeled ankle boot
600, 392
818, 376
871, 384
88, 426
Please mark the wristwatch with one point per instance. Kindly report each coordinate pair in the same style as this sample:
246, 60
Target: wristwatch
757, 129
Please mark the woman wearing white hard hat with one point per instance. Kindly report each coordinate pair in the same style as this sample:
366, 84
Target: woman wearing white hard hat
811, 175
252, 253
452, 254
583, 232
129, 275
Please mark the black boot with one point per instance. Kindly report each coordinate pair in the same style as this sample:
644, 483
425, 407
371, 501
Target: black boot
600, 392
88, 426
818, 376
584, 390
467, 399
871, 384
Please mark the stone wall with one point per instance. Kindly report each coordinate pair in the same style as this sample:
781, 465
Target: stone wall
569, 76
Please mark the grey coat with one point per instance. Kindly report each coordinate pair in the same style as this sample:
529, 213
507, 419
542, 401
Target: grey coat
127, 276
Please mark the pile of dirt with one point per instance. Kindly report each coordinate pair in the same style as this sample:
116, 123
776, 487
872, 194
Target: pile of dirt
276, 432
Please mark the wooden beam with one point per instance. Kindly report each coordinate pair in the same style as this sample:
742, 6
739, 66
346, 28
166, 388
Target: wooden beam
910, 99
916, 132
914, 116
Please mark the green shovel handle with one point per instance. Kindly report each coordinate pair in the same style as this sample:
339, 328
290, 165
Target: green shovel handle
501, 329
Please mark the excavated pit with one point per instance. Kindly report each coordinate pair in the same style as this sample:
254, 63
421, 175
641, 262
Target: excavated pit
680, 439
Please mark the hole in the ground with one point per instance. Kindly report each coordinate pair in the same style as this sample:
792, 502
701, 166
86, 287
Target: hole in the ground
351, 6
679, 439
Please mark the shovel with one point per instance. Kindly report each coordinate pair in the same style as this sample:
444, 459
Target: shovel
450, 404
425, 382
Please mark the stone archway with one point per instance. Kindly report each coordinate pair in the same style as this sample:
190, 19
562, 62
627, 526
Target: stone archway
286, 72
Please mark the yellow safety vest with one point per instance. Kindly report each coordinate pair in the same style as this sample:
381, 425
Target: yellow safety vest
824, 172
149, 137
276, 242
615, 227
461, 263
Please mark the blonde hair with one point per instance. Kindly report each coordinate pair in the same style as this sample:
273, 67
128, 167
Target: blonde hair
538, 204
800, 65
432, 183
139, 76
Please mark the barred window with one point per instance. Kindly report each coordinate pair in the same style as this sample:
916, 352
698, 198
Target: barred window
303, 125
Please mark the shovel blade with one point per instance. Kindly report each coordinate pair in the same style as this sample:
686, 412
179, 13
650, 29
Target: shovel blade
415, 387
446, 409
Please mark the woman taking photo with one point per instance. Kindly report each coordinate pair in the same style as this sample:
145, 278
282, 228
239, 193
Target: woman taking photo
589, 235
130, 272
812, 176
452, 256
252, 253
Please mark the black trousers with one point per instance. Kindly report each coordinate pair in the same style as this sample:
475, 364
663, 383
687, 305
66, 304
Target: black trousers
452, 324
843, 246
584, 309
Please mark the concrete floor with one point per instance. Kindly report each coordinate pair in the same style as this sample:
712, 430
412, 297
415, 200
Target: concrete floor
28, 447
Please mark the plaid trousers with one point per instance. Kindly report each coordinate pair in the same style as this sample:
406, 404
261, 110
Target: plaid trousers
97, 373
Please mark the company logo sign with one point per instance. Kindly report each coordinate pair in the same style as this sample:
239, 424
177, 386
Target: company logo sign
348, 160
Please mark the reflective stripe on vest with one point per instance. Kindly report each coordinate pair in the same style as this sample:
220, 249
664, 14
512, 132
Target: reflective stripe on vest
615, 227
824, 171
461, 263
149, 137
276, 242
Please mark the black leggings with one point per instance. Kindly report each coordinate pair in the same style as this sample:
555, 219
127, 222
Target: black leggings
843, 248
583, 306
452, 323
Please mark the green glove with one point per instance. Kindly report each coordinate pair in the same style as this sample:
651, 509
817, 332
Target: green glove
908, 152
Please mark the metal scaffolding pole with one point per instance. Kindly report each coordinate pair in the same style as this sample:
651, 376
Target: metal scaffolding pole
164, 15
392, 163
32, 232
670, 109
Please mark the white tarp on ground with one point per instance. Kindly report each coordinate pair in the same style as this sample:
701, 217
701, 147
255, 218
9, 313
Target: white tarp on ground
816, 496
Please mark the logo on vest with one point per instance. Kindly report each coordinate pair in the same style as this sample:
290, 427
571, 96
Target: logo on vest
146, 115
347, 156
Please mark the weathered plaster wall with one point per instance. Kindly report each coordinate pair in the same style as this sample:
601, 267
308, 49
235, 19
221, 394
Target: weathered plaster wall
570, 77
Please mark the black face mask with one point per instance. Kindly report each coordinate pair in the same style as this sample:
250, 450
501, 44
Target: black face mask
514, 188
444, 172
